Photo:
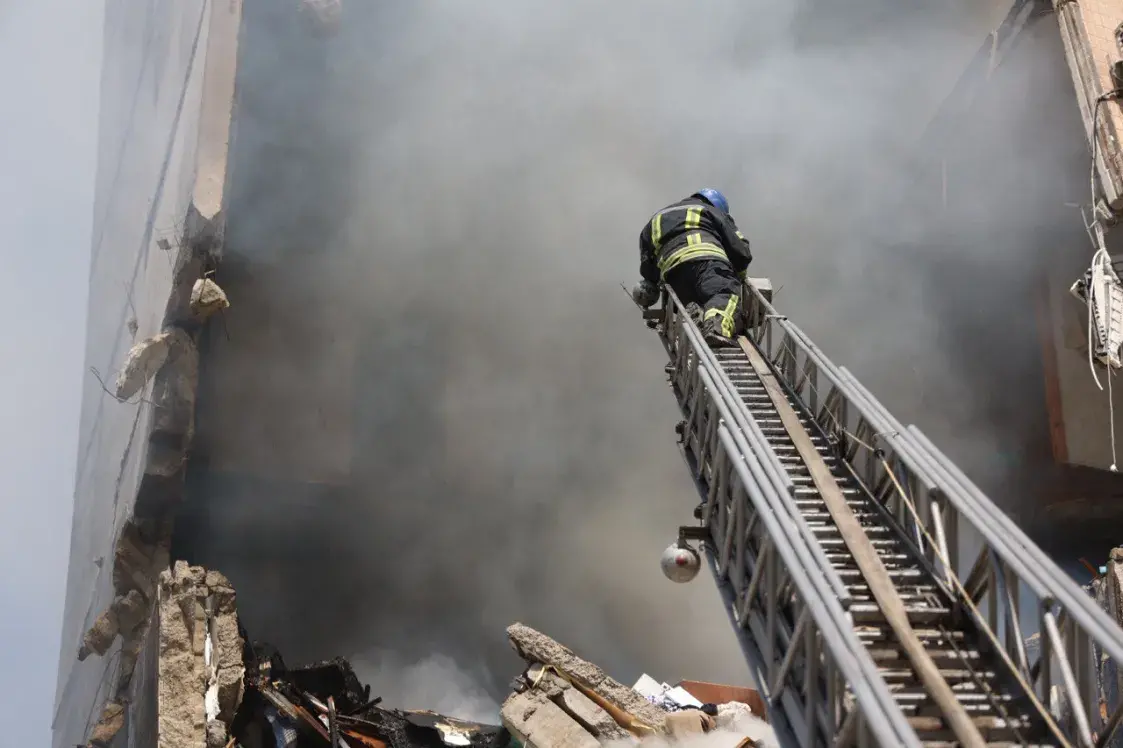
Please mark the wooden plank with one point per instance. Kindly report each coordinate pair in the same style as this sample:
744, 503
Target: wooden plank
865, 556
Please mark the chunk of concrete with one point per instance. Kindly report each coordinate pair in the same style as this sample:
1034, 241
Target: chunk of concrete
517, 708
216, 734
173, 395
141, 364
181, 679
189, 611
537, 722
626, 698
131, 610
100, 636
207, 297
111, 722
595, 720
535, 646
230, 669
133, 562
551, 727
546, 681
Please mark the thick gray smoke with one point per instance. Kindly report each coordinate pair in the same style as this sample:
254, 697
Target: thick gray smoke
461, 186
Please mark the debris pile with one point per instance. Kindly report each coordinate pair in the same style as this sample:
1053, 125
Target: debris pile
216, 688
163, 371
326, 705
200, 672
563, 701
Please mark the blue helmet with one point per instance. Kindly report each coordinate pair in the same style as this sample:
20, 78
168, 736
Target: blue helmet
714, 198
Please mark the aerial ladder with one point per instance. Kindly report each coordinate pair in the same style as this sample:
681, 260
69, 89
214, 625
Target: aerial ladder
879, 597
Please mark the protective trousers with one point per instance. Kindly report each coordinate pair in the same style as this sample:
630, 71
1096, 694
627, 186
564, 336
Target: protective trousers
712, 285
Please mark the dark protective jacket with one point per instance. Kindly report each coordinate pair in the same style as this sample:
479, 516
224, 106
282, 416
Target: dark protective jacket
691, 229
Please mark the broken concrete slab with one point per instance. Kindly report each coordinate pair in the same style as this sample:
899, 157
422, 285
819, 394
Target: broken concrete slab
536, 721
100, 636
550, 727
535, 646
111, 722
137, 561
595, 720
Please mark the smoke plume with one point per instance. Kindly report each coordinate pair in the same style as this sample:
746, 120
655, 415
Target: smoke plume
455, 192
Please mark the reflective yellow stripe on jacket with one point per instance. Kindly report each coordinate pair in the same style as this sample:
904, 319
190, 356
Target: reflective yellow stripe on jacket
694, 249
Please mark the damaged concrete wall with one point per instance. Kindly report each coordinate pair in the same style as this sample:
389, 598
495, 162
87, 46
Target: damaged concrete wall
167, 94
200, 658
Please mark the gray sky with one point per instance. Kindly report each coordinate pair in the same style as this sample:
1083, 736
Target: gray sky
50, 56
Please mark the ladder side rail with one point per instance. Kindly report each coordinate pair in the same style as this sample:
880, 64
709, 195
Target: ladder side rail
1062, 680
746, 503
825, 394
735, 413
1007, 563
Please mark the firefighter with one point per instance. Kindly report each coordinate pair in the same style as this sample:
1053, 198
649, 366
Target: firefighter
695, 247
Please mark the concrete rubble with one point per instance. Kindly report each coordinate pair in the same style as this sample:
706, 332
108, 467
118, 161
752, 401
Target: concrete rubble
216, 688
201, 668
207, 297
141, 364
170, 362
563, 701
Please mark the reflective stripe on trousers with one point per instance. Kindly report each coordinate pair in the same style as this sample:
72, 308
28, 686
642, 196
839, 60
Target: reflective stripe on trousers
728, 315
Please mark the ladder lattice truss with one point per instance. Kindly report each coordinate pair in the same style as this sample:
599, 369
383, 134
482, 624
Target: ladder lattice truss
879, 596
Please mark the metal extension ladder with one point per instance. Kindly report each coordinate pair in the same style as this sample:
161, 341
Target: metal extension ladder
879, 597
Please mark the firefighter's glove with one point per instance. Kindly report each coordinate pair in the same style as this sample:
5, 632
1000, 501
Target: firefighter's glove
645, 294
688, 722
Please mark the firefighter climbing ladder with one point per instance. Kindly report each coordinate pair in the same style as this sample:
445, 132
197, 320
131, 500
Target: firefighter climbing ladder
879, 597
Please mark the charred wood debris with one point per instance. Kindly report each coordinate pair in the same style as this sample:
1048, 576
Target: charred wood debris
325, 704
213, 686
558, 701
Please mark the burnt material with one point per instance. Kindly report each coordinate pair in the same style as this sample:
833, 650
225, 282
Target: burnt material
317, 703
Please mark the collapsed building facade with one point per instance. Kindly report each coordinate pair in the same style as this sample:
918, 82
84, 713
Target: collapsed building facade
153, 653
202, 682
